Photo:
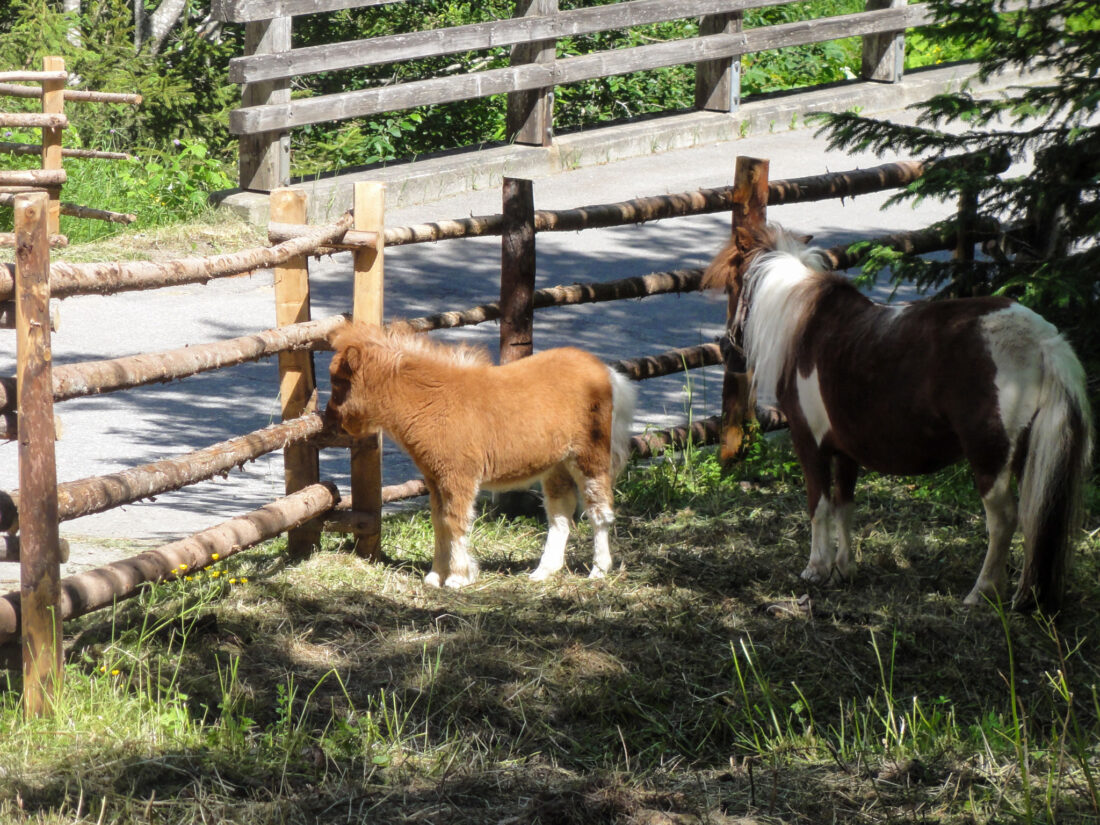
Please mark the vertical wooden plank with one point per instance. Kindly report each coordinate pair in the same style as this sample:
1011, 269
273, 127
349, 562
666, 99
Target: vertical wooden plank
517, 270
750, 205
40, 551
530, 114
264, 159
297, 381
718, 82
884, 53
53, 103
366, 456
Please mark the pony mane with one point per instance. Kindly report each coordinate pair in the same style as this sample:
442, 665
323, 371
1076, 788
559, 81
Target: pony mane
399, 340
781, 284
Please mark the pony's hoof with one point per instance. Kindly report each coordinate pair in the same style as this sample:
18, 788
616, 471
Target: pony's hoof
433, 580
597, 573
814, 576
454, 581
541, 574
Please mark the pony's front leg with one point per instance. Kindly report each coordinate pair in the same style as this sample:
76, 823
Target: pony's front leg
452, 513
1000, 522
560, 500
818, 475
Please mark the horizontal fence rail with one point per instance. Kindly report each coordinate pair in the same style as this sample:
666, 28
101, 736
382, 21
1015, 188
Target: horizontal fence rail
365, 102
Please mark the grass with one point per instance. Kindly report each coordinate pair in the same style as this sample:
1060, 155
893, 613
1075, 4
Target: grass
702, 682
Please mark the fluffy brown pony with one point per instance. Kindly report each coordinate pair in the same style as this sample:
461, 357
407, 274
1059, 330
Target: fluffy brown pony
561, 417
910, 389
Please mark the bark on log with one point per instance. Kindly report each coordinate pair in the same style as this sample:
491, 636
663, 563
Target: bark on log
93, 377
31, 77
702, 432
85, 592
36, 149
99, 493
108, 278
83, 95
471, 227
353, 239
72, 209
657, 283
55, 241
33, 120
32, 177
667, 363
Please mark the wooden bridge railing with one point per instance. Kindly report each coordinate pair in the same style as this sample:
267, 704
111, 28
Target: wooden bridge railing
270, 64
36, 613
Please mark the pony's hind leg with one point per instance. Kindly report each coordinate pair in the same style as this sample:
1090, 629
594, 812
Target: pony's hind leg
560, 500
601, 514
843, 506
1000, 522
452, 513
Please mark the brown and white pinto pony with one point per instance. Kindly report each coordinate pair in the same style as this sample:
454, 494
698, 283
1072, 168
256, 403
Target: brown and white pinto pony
909, 389
561, 417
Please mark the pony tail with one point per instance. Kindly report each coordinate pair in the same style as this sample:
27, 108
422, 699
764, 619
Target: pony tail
623, 397
1058, 458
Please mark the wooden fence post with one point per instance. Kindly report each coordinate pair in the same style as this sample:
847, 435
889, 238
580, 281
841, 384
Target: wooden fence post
264, 158
297, 381
718, 82
517, 270
530, 114
366, 455
750, 204
40, 550
53, 103
884, 53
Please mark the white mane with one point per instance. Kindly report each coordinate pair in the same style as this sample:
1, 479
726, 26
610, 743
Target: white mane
778, 291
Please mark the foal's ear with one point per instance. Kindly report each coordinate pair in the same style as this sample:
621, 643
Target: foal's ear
805, 239
353, 358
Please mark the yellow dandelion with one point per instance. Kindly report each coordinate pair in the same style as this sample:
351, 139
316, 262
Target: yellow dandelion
214, 556
232, 581
183, 567
115, 672
187, 578
103, 669
244, 580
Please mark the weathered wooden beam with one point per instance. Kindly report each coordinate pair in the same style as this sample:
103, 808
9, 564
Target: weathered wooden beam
515, 31
68, 279
86, 592
656, 442
40, 559
471, 227
367, 306
297, 382
245, 11
99, 493
366, 102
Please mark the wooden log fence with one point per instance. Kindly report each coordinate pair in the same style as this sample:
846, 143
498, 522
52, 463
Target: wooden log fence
310, 505
52, 120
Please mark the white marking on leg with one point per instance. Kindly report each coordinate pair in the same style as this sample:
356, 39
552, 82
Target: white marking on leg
820, 567
553, 554
602, 518
1000, 522
813, 405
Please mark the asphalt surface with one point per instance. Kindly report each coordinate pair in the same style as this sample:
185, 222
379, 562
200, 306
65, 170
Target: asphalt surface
112, 432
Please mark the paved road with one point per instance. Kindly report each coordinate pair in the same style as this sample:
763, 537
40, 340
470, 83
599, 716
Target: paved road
103, 435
